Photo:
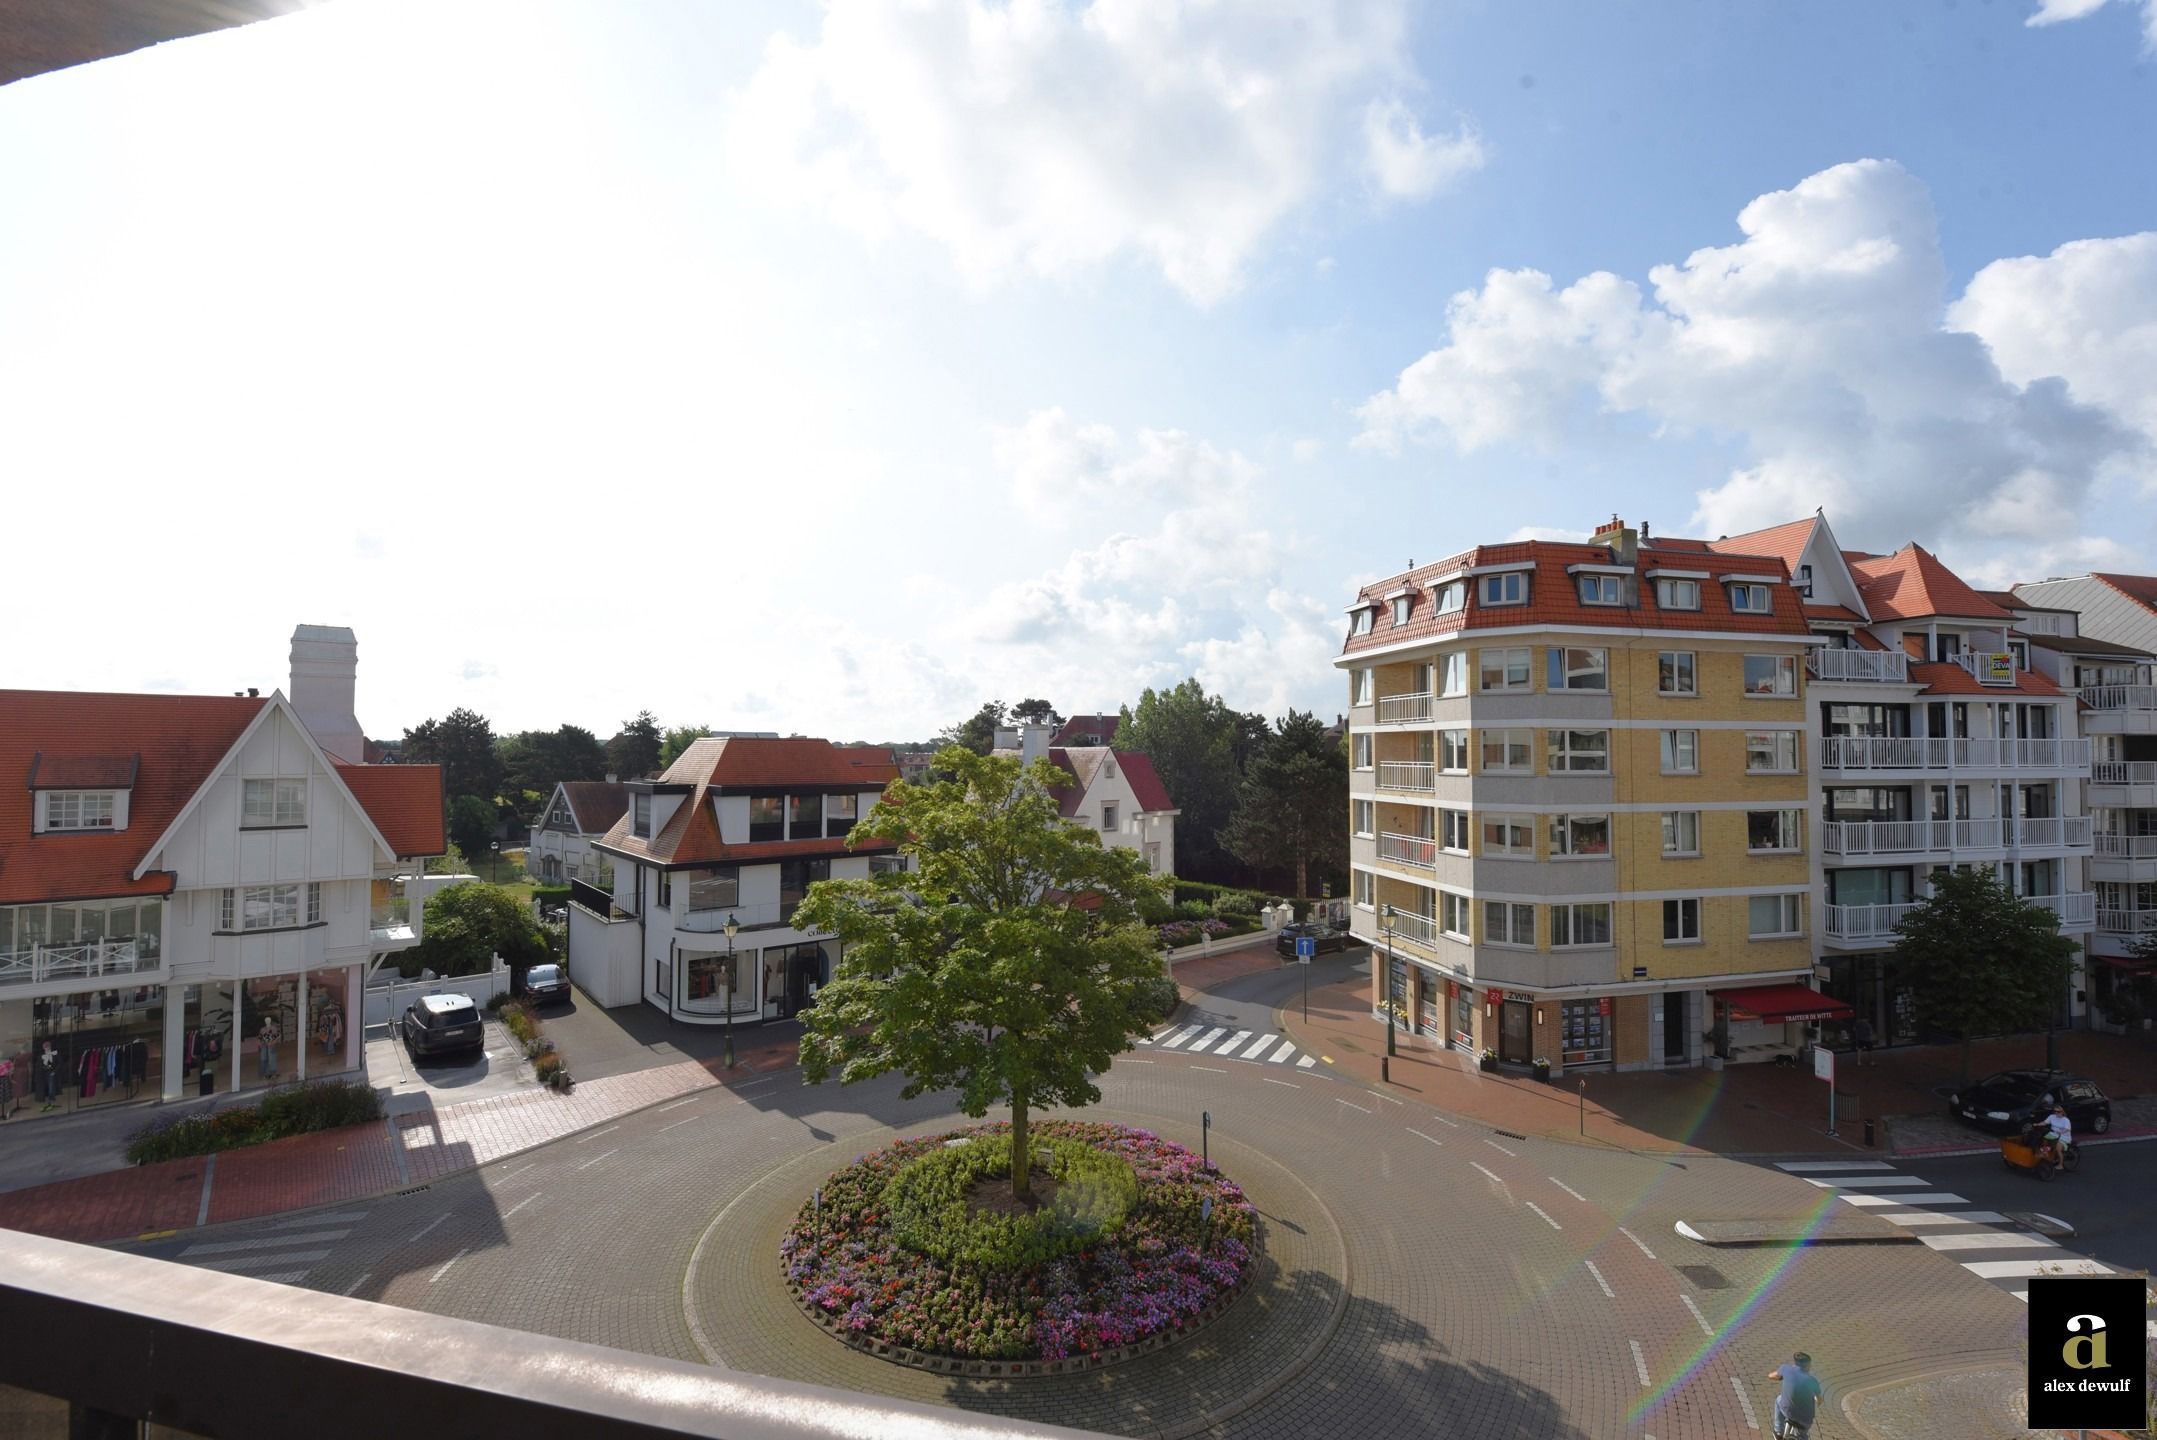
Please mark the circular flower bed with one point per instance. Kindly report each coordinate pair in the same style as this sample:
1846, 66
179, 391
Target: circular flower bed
899, 1251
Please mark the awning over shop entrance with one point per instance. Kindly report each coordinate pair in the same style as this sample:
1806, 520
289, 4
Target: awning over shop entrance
2132, 964
1778, 1003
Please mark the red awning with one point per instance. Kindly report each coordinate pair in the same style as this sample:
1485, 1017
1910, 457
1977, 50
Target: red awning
2132, 964
1777, 1003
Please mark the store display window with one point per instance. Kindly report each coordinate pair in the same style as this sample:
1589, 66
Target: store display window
1584, 1031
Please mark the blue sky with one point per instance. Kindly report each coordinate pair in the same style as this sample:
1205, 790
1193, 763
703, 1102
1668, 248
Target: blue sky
834, 370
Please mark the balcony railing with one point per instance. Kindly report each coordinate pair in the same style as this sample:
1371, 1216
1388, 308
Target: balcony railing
2127, 922
1407, 775
1406, 926
1912, 837
749, 917
1404, 709
1932, 752
393, 914
2119, 697
1890, 666
2033, 832
43, 964
2077, 909
1409, 850
1865, 922
2127, 847
2124, 772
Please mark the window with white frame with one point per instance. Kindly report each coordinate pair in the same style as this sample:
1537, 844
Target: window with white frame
1577, 752
1602, 590
1403, 605
1681, 752
1773, 917
1366, 887
1774, 831
641, 814
1453, 914
878, 865
314, 902
1681, 922
1580, 924
1453, 830
1362, 687
1580, 836
265, 907
1509, 836
1108, 815
1771, 752
1678, 594
1509, 588
1509, 752
1450, 597
1361, 623
1366, 817
1453, 751
271, 803
1511, 668
1572, 667
1677, 672
78, 809
1363, 752
1681, 832
1749, 599
1453, 673
1506, 923
1771, 675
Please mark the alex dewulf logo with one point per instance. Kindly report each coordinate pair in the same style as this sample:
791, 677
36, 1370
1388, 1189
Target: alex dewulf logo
2088, 1360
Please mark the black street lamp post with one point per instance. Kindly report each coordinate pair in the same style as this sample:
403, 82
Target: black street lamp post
1386, 986
733, 925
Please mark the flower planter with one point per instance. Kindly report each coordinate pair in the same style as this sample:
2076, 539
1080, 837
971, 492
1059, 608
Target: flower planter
1487, 1063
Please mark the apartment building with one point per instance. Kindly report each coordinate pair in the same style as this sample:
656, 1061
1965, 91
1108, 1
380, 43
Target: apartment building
1581, 801
577, 814
1942, 739
710, 862
176, 870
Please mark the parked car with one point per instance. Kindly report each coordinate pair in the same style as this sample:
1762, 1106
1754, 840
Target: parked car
544, 984
443, 1025
2012, 1100
1326, 938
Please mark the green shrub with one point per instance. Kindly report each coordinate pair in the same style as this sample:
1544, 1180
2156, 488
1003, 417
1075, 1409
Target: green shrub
519, 1020
1231, 903
545, 1065
291, 1110
1156, 909
1193, 910
926, 1201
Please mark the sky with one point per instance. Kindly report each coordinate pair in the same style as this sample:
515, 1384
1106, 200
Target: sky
832, 370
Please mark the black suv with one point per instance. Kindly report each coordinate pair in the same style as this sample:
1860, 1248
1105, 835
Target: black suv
2013, 1100
443, 1025
1324, 937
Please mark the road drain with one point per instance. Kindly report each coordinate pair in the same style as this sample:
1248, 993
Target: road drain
1705, 1277
1510, 1134
415, 1190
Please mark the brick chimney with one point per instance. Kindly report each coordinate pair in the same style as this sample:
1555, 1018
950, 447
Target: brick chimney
325, 674
1623, 540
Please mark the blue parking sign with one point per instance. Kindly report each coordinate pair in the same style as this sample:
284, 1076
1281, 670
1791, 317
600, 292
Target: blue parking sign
1306, 947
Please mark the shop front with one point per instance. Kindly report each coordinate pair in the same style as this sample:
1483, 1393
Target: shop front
60, 1054
1762, 1022
1512, 1017
1585, 1028
1876, 992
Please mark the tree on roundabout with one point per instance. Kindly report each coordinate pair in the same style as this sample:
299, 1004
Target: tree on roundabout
1008, 962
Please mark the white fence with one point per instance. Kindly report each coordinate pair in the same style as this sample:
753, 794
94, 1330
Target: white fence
384, 1001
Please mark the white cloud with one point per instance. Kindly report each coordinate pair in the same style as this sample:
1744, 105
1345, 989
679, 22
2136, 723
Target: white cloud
2053, 12
1407, 164
1051, 138
1063, 468
1817, 345
1549, 532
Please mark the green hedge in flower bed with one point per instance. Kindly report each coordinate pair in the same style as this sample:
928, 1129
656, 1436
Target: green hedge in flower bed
293, 1110
954, 1295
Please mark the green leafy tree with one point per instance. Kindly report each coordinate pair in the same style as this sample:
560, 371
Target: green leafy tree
1254, 734
1292, 811
471, 824
978, 731
1036, 712
1980, 959
1008, 964
470, 923
1191, 738
533, 760
634, 753
677, 740
462, 743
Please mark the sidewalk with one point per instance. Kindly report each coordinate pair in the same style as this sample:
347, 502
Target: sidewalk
1742, 1110
1202, 973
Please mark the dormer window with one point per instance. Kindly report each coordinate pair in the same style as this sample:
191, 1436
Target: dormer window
1402, 605
1804, 581
1678, 594
1450, 597
1507, 588
1749, 599
1361, 625
643, 812
78, 809
272, 804
1602, 590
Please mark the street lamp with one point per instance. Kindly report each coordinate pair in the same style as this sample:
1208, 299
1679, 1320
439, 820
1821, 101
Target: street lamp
1386, 989
733, 927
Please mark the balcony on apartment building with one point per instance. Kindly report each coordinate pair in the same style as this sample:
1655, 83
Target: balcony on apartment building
1409, 709
2119, 931
1417, 851
85, 965
1926, 837
2123, 785
2127, 707
2125, 858
1866, 927
1416, 776
1887, 667
1875, 753
389, 924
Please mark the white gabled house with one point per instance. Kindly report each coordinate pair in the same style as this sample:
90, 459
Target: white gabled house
1115, 792
577, 814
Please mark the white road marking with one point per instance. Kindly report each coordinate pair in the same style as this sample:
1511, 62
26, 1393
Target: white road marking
1289, 1083
1443, 1121
596, 1159
284, 1277
1210, 1069
1937, 1197
1568, 1189
1229, 1046
1421, 1136
1869, 1182
1487, 1175
1799, 1167
751, 1084
520, 1204
1185, 1034
677, 1124
677, 1104
1501, 1149
1306, 1062
1158, 1036
1987, 1240
304, 1221
1288, 1048
1637, 1241
1544, 1213
1128, 1060
261, 1262
1698, 1318
1198, 1046
513, 1174
447, 1263
1349, 1103
1387, 1098
2033, 1269
429, 1225
597, 1133
1601, 1283
1745, 1403
1257, 1047
1929, 1217
234, 1247
357, 1283
1640, 1363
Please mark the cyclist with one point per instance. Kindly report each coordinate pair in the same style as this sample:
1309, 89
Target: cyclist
1800, 1397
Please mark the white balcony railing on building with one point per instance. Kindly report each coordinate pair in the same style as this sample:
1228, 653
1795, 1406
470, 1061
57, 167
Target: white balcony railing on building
1915, 837
2033, 832
713, 922
2124, 772
2127, 847
43, 964
2119, 697
1890, 666
393, 914
1407, 775
1404, 709
2127, 922
1409, 850
1865, 922
1406, 926
2077, 909
1932, 752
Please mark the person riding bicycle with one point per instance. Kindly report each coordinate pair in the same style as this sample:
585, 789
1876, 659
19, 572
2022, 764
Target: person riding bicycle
1800, 1397
2059, 1133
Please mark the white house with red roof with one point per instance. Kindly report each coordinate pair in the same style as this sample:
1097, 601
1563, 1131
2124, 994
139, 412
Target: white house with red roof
177, 870
711, 860
1115, 793
577, 814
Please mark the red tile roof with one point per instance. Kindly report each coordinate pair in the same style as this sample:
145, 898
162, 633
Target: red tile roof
2142, 588
1069, 797
596, 804
1554, 596
405, 803
1786, 542
1942, 678
1145, 784
83, 772
1912, 584
1074, 730
179, 739
748, 763
1832, 612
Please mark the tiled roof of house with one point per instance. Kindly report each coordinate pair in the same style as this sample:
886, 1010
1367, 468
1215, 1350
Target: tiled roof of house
178, 738
84, 772
1554, 596
1786, 542
405, 803
1912, 584
2142, 588
2082, 645
1071, 796
596, 804
749, 763
1083, 763
1073, 730
1832, 612
1944, 678
1145, 784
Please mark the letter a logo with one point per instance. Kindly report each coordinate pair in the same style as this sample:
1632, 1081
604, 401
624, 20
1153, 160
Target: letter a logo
2085, 1351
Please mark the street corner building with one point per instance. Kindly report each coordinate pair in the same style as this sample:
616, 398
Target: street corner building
182, 874
1643, 802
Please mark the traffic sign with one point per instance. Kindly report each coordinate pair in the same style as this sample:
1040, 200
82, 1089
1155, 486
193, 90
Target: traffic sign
1306, 947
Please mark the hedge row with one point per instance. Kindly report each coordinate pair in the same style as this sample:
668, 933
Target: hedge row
293, 1110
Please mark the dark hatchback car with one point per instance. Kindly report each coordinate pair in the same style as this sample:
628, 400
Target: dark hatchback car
546, 984
1326, 939
443, 1025
2012, 1100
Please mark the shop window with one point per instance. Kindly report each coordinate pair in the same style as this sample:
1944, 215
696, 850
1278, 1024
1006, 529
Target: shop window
1584, 1031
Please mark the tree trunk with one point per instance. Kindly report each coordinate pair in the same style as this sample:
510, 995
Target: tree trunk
1302, 877
1022, 1187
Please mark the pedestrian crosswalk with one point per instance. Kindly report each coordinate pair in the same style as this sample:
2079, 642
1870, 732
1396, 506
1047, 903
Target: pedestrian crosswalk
1217, 1041
1988, 1244
285, 1252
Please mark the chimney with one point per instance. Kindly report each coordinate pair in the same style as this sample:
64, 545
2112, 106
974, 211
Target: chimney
1034, 742
1622, 539
325, 671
